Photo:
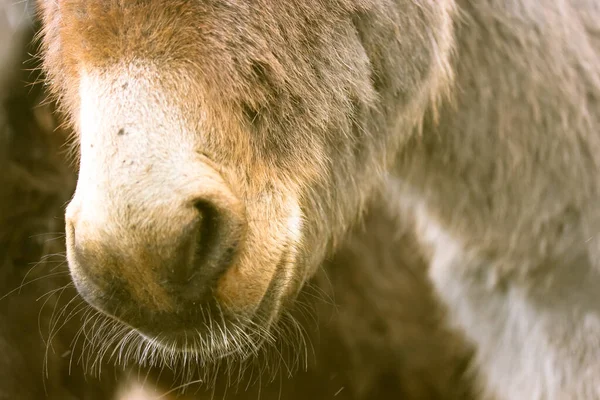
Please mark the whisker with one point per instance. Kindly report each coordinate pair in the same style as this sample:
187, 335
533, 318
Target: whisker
17, 289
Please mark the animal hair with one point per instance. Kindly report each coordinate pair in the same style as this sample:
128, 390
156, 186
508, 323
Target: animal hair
476, 121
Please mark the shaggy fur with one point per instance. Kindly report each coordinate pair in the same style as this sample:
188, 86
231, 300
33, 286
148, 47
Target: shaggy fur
375, 335
402, 351
292, 118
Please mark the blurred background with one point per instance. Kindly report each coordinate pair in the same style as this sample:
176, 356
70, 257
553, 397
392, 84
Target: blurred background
373, 343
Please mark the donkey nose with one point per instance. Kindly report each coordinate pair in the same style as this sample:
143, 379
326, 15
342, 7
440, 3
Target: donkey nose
175, 248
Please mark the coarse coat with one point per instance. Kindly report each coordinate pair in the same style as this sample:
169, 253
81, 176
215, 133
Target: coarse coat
476, 120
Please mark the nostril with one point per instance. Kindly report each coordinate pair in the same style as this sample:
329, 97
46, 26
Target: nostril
217, 241
208, 232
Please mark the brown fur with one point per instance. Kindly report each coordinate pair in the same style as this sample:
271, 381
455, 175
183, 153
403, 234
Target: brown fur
333, 117
401, 351
313, 112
